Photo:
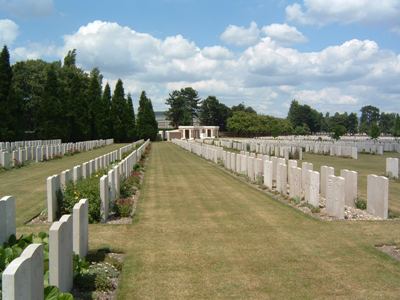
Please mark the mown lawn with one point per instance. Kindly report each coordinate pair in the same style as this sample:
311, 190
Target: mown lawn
200, 233
365, 164
28, 184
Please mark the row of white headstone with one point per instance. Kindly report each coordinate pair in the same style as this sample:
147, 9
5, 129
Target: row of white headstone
10, 146
23, 279
58, 182
40, 153
288, 149
110, 183
288, 179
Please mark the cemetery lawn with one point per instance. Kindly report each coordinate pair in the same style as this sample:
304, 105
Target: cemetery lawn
200, 233
28, 184
365, 164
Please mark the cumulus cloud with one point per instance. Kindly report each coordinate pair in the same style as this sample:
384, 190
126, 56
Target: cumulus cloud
284, 34
34, 51
326, 95
344, 11
27, 8
217, 52
8, 32
241, 36
265, 75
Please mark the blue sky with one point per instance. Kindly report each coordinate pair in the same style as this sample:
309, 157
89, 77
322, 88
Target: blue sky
335, 57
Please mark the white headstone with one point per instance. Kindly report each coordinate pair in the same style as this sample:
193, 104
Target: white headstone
60, 254
268, 166
351, 184
378, 196
80, 228
335, 197
104, 192
325, 173
7, 218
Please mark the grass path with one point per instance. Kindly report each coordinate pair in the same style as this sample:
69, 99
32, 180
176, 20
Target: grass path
202, 234
28, 184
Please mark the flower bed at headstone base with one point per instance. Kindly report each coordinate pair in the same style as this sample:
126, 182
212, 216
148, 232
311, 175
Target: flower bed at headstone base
125, 207
94, 278
122, 209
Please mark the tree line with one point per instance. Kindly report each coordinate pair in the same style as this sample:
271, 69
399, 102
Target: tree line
185, 106
41, 100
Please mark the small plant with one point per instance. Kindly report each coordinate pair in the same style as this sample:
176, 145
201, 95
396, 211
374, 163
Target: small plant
361, 204
296, 200
53, 293
123, 207
313, 209
130, 185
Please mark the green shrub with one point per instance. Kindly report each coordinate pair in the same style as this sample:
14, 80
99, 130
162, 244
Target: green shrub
88, 188
361, 203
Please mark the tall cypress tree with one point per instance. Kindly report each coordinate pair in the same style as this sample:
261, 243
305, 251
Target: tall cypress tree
97, 111
118, 109
131, 119
106, 101
50, 109
147, 126
5, 87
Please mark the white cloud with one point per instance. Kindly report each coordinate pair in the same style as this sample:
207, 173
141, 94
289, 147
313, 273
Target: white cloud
217, 52
8, 32
34, 51
265, 75
284, 34
241, 36
27, 8
326, 95
344, 11
178, 47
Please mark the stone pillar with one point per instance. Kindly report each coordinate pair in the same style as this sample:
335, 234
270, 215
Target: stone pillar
80, 228
312, 188
7, 218
392, 167
335, 195
53, 186
295, 183
60, 254
325, 173
268, 166
377, 196
350, 186
104, 194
